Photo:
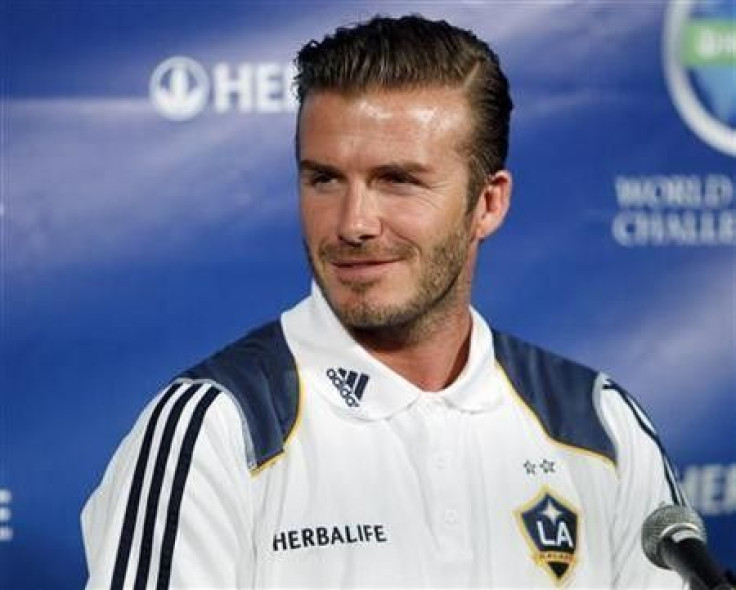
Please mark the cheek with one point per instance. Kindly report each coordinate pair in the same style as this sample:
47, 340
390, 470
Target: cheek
423, 225
315, 221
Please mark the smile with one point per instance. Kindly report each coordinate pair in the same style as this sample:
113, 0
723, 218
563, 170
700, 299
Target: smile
361, 270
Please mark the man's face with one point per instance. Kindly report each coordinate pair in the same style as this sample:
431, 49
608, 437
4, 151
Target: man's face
383, 190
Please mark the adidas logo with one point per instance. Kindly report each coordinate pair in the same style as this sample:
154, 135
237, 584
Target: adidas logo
350, 384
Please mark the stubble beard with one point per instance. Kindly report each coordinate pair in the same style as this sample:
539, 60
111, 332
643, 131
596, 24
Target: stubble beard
440, 285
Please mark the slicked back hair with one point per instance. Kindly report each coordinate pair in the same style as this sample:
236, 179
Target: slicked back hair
412, 52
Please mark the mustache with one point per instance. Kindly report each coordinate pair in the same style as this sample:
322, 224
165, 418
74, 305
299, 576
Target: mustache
341, 251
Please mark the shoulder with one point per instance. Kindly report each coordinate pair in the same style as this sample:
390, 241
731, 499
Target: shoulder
259, 374
581, 407
563, 395
184, 452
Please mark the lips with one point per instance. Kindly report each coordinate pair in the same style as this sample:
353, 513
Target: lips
361, 269
365, 263
362, 262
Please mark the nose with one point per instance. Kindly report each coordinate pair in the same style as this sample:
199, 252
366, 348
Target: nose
359, 217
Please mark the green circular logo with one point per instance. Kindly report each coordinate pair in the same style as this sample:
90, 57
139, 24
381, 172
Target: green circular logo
700, 67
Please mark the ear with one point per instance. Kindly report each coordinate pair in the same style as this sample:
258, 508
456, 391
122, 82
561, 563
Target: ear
493, 204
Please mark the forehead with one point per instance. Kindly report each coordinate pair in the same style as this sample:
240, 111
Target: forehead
427, 121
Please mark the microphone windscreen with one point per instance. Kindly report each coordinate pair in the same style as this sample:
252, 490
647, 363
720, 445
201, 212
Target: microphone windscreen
669, 522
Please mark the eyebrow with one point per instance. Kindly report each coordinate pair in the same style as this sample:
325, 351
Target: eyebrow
312, 166
402, 167
407, 167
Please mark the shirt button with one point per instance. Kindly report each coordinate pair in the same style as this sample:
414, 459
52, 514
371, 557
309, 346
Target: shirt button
450, 516
441, 461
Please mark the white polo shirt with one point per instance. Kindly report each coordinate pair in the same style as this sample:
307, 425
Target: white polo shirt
360, 479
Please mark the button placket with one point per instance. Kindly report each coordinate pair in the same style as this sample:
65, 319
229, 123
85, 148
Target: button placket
445, 480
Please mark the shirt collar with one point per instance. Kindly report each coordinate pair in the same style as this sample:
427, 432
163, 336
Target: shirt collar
360, 386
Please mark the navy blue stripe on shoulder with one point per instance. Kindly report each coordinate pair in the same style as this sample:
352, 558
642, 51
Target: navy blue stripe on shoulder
259, 371
158, 485
136, 490
183, 465
645, 423
559, 391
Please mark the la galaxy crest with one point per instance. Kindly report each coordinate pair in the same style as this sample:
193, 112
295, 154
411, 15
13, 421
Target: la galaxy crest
550, 526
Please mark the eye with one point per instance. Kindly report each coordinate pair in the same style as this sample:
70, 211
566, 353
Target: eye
318, 179
398, 177
398, 181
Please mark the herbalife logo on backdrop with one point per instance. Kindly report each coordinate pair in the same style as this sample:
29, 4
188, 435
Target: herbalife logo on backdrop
181, 88
700, 65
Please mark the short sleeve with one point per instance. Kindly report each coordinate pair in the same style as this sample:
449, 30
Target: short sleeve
646, 481
174, 508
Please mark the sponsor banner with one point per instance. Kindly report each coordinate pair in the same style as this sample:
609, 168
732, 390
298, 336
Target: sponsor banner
149, 212
711, 488
675, 210
181, 88
699, 53
6, 525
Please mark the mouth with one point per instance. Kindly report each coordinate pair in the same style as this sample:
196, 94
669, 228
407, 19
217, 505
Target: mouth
361, 270
347, 262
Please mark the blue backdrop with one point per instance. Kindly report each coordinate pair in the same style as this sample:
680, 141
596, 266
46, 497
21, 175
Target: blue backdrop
149, 217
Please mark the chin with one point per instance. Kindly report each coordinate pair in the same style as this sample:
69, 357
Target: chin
373, 312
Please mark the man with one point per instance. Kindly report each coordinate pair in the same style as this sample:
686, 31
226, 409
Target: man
380, 433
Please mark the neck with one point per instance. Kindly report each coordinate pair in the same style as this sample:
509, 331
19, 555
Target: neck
429, 352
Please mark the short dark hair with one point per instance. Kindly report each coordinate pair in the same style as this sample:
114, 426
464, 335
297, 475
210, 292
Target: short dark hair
414, 52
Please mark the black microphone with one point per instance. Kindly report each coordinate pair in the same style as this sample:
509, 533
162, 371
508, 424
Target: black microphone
673, 537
